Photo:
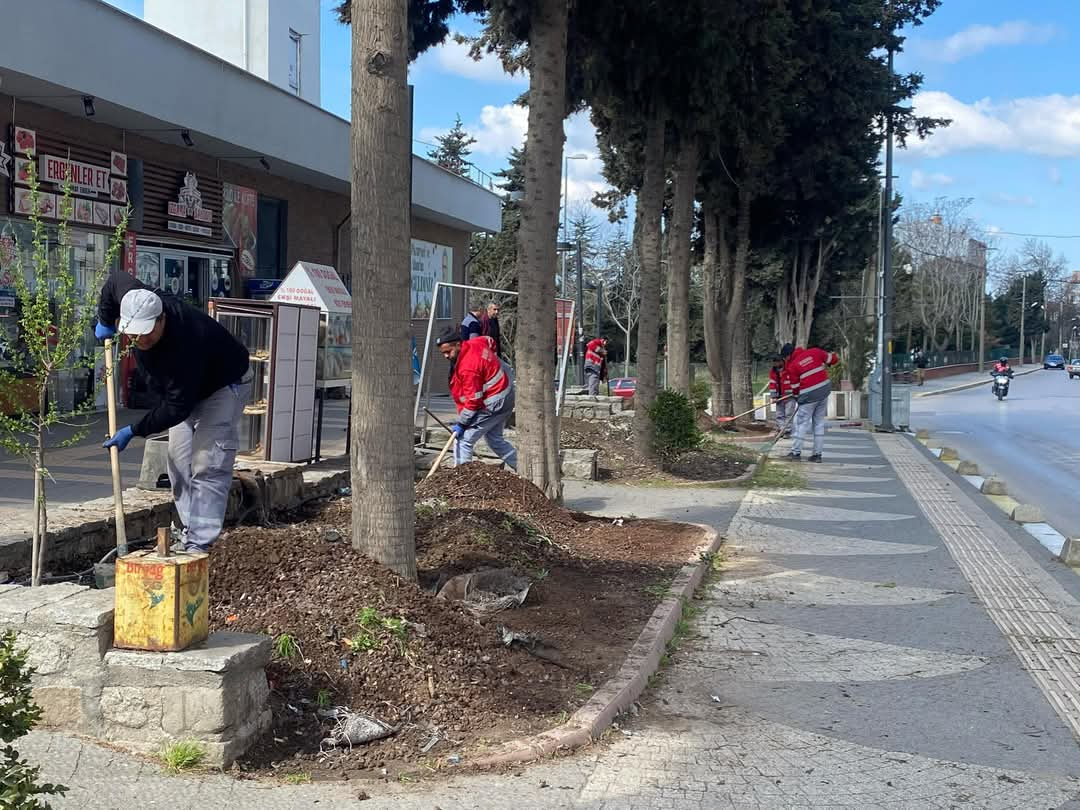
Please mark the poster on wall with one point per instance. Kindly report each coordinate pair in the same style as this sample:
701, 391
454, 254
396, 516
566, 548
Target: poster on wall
430, 263
239, 217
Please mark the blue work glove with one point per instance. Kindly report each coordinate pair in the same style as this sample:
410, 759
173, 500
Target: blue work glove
459, 431
101, 331
120, 439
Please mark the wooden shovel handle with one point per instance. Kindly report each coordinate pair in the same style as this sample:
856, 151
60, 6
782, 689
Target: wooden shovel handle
442, 455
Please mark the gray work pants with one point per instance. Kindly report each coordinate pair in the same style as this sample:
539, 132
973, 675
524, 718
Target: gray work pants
488, 427
810, 418
202, 450
592, 380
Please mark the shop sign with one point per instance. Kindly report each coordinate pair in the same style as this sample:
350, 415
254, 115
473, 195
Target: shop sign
130, 253
189, 205
85, 178
316, 285
239, 215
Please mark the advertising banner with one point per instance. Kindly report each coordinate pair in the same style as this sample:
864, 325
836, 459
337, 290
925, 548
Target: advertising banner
430, 263
239, 217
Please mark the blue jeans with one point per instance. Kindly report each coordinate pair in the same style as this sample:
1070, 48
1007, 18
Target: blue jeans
488, 427
810, 419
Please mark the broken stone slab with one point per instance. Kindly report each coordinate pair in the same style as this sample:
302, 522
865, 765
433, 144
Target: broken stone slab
89, 609
222, 652
968, 468
922, 434
994, 486
1027, 513
579, 465
16, 603
949, 454
1070, 551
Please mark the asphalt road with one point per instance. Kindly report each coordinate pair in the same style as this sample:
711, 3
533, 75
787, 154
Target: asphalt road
1031, 439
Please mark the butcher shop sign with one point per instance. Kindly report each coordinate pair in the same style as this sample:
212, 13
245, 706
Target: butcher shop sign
189, 205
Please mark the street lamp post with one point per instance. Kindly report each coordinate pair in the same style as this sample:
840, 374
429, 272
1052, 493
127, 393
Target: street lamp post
887, 279
581, 319
566, 209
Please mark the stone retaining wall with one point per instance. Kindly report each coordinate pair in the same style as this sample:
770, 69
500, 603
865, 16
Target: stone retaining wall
592, 409
214, 693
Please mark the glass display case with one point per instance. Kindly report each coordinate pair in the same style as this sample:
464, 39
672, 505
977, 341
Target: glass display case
281, 340
335, 349
319, 285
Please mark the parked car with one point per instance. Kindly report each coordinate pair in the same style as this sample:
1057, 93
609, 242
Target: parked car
1073, 368
623, 387
1054, 361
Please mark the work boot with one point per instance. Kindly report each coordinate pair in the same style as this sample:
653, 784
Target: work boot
816, 458
793, 456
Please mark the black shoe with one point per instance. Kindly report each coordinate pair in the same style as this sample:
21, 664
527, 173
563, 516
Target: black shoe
793, 457
816, 458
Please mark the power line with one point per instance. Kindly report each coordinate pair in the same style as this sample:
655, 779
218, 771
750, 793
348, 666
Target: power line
1035, 235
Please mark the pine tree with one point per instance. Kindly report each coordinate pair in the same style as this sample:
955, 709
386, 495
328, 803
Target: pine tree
453, 150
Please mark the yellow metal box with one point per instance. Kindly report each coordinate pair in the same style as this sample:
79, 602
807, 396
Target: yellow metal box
161, 601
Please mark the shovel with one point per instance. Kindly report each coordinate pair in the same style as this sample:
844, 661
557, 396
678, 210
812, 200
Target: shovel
725, 419
442, 455
114, 452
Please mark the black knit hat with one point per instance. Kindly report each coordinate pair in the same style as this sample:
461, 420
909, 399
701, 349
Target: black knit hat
449, 335
787, 350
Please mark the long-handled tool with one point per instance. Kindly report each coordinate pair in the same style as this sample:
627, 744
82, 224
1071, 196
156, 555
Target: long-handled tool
440, 422
725, 419
442, 455
114, 452
789, 420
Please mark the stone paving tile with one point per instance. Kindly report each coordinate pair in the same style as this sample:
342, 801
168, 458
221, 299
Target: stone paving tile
764, 537
821, 492
763, 506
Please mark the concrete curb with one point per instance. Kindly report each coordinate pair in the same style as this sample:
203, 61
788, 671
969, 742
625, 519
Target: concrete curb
643, 659
965, 386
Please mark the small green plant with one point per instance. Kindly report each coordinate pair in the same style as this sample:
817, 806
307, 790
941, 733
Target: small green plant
484, 537
183, 755
674, 424
584, 688
363, 641
772, 476
297, 778
373, 630
699, 393
323, 698
658, 590
285, 647
19, 786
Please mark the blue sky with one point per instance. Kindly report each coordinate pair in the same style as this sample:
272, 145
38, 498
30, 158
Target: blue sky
1004, 71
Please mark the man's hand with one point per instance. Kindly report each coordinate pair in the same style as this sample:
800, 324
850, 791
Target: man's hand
120, 439
101, 332
459, 431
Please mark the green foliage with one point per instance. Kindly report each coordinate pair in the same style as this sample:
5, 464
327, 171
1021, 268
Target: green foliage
53, 325
674, 423
374, 630
700, 391
183, 755
452, 152
298, 778
772, 476
323, 698
19, 786
286, 647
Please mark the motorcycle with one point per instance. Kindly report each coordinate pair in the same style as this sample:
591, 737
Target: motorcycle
1001, 385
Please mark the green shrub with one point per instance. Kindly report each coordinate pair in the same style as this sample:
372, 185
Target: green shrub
700, 392
674, 423
19, 787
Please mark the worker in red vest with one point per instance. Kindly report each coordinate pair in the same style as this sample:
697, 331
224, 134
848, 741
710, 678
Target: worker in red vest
808, 369
783, 394
482, 386
595, 364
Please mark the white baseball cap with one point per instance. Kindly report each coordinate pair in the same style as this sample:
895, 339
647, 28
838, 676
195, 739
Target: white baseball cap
139, 309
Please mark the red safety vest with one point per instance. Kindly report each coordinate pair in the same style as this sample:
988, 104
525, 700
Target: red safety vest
808, 369
479, 383
592, 352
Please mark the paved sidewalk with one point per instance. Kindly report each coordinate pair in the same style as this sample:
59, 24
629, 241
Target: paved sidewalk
877, 640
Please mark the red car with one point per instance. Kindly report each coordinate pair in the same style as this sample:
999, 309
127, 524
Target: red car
623, 387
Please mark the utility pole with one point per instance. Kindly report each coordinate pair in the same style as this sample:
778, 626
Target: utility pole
887, 277
580, 319
1023, 312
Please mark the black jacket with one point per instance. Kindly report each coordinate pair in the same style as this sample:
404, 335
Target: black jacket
195, 357
494, 331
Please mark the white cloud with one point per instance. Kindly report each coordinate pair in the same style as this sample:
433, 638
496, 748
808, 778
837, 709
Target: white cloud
1053, 174
1013, 200
975, 39
452, 57
923, 180
1040, 125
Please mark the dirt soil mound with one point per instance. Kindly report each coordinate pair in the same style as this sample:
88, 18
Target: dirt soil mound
348, 632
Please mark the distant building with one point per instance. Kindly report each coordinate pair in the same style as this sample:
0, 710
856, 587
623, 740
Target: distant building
276, 40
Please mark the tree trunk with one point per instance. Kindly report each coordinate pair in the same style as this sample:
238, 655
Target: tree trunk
383, 517
35, 546
649, 211
682, 223
716, 277
538, 426
742, 392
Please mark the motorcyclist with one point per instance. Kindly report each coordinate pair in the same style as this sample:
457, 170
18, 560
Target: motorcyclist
1002, 367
